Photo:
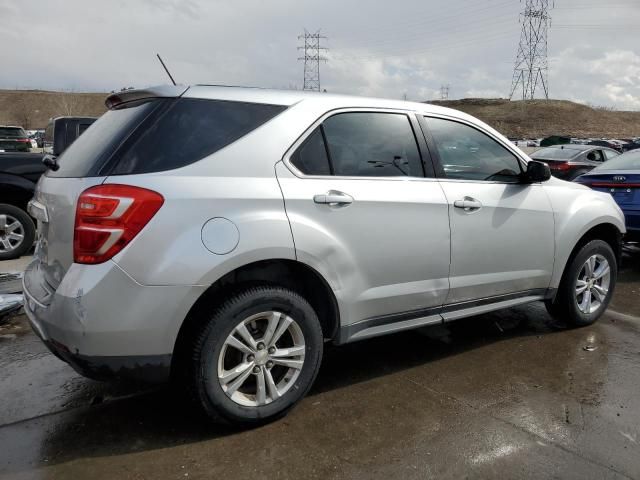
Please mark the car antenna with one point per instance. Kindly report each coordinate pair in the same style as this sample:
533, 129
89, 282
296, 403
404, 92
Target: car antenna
165, 68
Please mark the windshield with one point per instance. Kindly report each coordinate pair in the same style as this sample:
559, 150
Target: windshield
556, 153
12, 132
626, 161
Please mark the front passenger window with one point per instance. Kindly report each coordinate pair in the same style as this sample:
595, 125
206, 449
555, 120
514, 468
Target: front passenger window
468, 154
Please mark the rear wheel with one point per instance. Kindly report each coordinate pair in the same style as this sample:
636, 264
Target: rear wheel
587, 285
256, 356
17, 232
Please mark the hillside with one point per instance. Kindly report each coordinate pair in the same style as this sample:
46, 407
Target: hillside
541, 118
534, 118
32, 109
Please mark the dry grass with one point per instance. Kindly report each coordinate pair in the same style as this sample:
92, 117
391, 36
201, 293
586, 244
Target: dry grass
541, 118
535, 118
32, 109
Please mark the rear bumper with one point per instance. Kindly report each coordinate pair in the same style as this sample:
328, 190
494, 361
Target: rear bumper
104, 324
151, 368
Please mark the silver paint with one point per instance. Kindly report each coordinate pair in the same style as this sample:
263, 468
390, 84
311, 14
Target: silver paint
398, 244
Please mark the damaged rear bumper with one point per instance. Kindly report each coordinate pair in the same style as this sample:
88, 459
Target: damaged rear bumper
150, 368
106, 325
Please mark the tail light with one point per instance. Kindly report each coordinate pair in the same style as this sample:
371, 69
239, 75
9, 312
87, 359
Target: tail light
23, 140
561, 167
108, 217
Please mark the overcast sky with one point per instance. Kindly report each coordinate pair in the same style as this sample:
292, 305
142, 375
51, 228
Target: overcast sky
379, 48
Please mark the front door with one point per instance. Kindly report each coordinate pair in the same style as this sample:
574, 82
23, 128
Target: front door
502, 231
363, 214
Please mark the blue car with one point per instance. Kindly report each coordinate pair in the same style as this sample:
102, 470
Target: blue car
620, 177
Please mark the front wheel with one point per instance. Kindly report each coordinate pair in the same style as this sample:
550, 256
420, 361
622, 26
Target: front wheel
256, 356
587, 285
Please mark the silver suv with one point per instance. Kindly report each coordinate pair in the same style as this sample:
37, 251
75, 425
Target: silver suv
220, 236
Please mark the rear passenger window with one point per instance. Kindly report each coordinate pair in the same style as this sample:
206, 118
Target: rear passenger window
189, 130
363, 144
311, 157
595, 156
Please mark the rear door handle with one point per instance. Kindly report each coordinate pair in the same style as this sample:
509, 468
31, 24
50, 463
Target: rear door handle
333, 198
468, 204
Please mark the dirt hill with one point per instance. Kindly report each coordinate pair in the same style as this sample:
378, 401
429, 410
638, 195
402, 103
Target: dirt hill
541, 118
535, 118
32, 109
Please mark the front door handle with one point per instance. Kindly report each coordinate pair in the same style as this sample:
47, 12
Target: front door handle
333, 198
468, 204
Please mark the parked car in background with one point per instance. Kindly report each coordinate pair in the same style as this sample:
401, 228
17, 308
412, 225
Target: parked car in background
14, 139
607, 144
62, 132
620, 177
223, 235
38, 136
570, 161
632, 145
19, 173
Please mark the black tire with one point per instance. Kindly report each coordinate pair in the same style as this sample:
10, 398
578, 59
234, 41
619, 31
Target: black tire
202, 370
564, 308
28, 227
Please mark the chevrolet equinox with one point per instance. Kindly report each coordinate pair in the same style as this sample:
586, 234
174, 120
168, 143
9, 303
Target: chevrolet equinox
219, 236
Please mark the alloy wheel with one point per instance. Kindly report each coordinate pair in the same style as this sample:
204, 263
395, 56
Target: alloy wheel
11, 233
592, 285
261, 359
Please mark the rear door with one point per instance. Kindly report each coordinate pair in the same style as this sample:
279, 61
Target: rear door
363, 214
502, 231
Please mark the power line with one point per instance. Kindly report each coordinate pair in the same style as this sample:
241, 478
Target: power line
453, 18
446, 30
433, 47
312, 58
531, 66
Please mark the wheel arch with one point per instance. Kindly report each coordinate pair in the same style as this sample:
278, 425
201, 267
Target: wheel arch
287, 273
605, 231
15, 190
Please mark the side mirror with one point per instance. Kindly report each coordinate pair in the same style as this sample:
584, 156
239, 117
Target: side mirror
537, 172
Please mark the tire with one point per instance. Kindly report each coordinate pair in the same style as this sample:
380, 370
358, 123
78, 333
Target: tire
21, 224
212, 353
573, 308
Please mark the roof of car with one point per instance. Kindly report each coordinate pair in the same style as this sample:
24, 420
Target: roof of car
580, 148
290, 97
270, 96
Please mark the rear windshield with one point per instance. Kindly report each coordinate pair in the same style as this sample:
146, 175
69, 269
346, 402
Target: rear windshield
556, 153
95, 146
159, 135
12, 132
626, 161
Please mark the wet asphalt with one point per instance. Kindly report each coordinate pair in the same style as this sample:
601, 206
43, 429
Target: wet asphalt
506, 395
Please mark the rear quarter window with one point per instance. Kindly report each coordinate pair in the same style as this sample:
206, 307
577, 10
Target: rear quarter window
189, 130
159, 134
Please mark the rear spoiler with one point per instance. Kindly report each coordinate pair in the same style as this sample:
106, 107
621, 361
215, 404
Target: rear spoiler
114, 100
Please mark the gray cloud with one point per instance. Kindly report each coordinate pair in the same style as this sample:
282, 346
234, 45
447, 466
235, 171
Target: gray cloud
376, 48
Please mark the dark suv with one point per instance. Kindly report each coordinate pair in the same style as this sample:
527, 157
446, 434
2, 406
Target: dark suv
14, 139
